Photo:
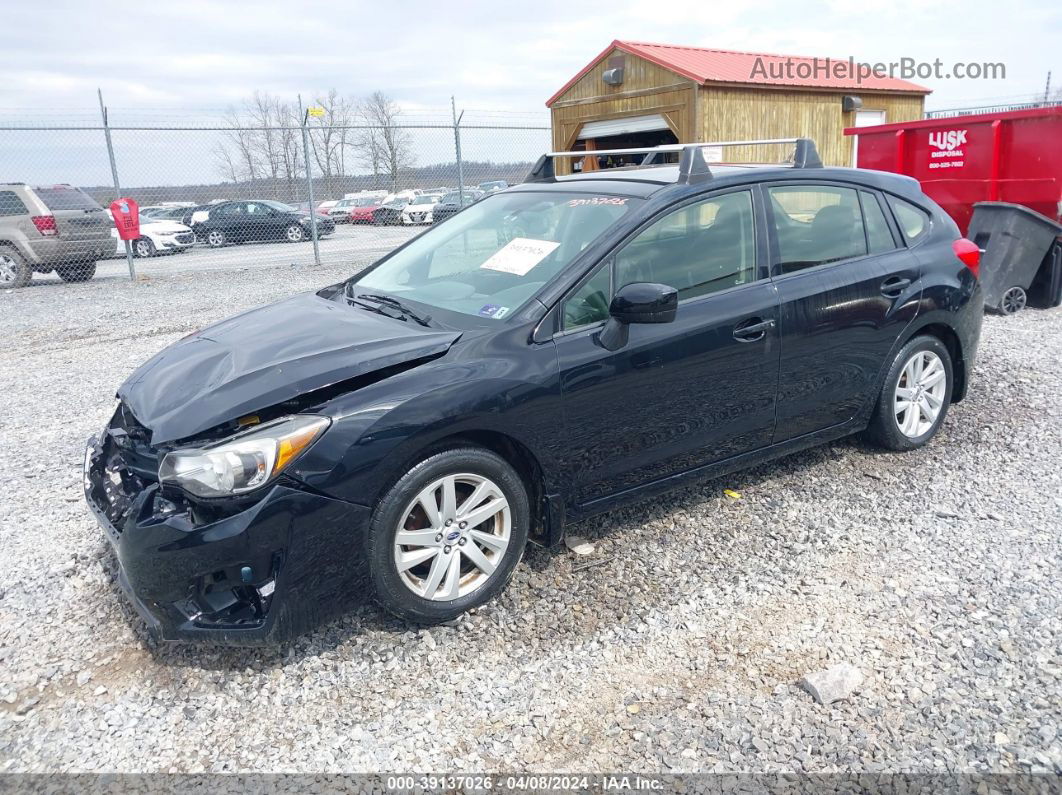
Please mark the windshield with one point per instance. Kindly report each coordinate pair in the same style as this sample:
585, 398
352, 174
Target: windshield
491, 258
426, 200
284, 208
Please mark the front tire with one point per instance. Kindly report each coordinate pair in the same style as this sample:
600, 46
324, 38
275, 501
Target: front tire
14, 272
448, 535
915, 396
215, 238
294, 233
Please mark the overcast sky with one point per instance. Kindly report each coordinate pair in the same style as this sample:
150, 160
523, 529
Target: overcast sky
505, 55
175, 60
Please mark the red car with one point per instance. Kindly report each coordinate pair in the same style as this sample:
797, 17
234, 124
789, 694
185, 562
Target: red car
362, 213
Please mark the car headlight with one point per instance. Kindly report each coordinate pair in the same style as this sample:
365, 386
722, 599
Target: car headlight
243, 462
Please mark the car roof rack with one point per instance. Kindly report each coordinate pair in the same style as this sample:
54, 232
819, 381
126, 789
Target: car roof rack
693, 167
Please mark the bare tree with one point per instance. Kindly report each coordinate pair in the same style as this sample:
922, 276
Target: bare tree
329, 134
384, 145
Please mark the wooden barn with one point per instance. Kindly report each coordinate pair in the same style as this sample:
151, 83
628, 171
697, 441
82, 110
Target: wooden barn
638, 94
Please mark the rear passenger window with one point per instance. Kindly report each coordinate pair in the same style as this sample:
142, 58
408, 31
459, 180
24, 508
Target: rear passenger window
879, 236
816, 224
11, 204
913, 221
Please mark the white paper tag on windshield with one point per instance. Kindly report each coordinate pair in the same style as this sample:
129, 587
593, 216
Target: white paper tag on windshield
519, 255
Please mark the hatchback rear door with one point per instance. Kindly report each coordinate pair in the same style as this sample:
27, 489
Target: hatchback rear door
847, 289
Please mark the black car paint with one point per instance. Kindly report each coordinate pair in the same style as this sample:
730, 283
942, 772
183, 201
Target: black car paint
240, 227
590, 429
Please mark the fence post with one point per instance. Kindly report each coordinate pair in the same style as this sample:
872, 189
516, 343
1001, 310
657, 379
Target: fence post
117, 186
309, 182
457, 147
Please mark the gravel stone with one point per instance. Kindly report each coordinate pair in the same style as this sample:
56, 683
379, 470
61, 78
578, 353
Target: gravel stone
700, 609
836, 683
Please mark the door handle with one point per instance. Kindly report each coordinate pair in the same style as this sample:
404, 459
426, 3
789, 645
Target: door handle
894, 285
752, 330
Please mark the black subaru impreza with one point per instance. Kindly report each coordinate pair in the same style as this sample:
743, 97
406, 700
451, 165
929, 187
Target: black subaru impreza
556, 350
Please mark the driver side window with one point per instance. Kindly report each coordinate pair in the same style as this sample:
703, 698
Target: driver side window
589, 304
698, 249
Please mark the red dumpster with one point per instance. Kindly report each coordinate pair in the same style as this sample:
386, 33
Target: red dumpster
1014, 157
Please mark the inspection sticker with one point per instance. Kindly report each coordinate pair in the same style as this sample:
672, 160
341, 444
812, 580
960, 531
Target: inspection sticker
493, 310
519, 255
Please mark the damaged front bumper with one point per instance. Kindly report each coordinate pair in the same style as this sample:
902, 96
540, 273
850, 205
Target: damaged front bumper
244, 572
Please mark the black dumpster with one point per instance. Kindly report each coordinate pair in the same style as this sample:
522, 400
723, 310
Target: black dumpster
1017, 242
1046, 290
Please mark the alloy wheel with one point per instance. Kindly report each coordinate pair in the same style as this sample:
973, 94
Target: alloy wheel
452, 537
1013, 301
215, 237
143, 248
8, 270
919, 395
294, 233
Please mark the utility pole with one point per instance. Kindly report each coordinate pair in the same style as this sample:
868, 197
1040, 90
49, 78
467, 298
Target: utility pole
457, 147
1047, 88
114, 176
309, 181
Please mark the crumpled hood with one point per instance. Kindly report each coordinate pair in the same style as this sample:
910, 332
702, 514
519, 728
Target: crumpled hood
266, 356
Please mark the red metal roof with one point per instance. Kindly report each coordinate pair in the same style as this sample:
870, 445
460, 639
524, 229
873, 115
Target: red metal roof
703, 65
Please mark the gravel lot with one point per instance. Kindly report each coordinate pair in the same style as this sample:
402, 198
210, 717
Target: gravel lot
675, 646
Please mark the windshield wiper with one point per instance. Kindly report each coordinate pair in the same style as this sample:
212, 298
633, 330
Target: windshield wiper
405, 310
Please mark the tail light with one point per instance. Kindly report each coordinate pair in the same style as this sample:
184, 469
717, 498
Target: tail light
969, 253
45, 225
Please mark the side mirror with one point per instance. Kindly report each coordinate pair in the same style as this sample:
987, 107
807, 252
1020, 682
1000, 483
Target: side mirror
640, 302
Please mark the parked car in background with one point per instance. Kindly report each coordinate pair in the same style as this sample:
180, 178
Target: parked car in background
390, 213
157, 236
304, 207
49, 228
419, 210
362, 213
340, 213
246, 221
454, 202
325, 207
494, 185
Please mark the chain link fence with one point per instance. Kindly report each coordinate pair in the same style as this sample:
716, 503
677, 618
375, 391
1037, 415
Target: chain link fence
236, 196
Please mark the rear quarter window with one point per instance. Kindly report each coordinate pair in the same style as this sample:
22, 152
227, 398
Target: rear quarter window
11, 204
62, 197
913, 220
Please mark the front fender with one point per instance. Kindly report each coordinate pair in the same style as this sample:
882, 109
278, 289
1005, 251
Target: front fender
379, 432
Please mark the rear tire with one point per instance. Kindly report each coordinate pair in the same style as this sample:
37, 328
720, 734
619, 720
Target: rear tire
474, 563
915, 396
14, 272
77, 272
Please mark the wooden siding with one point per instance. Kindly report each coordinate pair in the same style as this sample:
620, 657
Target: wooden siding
720, 113
646, 89
741, 113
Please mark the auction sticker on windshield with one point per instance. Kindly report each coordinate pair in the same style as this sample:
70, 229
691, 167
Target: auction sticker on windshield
519, 255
